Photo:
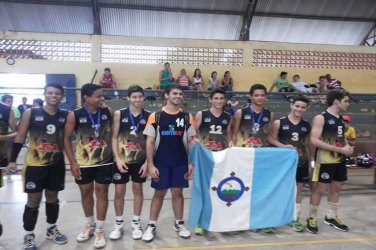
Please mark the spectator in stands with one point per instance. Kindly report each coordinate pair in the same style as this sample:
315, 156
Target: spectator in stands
8, 100
302, 87
37, 103
165, 76
183, 80
232, 104
197, 80
281, 83
227, 82
108, 80
22, 107
212, 82
322, 84
333, 83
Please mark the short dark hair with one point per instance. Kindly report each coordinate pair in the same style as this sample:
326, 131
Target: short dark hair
172, 86
54, 85
88, 89
320, 77
300, 98
135, 88
38, 101
217, 91
5, 97
107, 69
297, 76
257, 86
283, 73
336, 94
167, 63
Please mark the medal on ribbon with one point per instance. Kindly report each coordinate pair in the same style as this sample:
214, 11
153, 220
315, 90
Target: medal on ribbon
95, 125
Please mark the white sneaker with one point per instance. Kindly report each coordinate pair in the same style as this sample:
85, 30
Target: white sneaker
99, 241
117, 231
149, 234
86, 233
182, 230
136, 230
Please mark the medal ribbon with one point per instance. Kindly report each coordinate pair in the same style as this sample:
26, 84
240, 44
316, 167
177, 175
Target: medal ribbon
132, 120
253, 116
94, 125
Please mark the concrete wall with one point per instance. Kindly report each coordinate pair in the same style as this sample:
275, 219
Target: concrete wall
358, 81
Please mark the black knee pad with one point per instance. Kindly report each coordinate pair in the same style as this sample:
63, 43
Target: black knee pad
30, 217
52, 212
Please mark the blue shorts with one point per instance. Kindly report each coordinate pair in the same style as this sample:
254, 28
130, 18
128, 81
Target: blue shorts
171, 177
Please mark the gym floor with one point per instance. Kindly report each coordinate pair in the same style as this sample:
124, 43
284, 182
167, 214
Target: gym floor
357, 210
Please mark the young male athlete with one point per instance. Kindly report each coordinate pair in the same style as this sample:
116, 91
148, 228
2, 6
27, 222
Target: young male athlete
129, 150
327, 135
44, 163
92, 164
7, 121
169, 132
251, 124
213, 127
292, 131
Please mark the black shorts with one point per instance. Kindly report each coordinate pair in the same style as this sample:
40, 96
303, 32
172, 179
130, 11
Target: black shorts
326, 173
133, 172
302, 174
37, 178
3, 162
100, 174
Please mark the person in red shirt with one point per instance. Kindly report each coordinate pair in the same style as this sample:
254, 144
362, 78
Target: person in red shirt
108, 80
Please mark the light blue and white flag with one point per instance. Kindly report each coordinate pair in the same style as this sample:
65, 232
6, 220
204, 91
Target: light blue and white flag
242, 188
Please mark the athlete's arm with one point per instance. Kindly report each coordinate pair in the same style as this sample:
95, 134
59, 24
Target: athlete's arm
150, 144
197, 123
237, 120
20, 136
114, 142
272, 137
229, 132
315, 138
68, 147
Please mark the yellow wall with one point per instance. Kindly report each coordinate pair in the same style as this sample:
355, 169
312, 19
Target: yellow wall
360, 81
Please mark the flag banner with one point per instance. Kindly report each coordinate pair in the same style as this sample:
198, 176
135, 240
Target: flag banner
242, 188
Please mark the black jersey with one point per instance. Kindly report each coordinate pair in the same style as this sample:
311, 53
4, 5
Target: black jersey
296, 135
253, 128
213, 130
333, 133
4, 125
131, 140
46, 137
93, 145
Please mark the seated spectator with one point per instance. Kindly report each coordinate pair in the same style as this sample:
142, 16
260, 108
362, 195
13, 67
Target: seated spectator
227, 82
183, 80
322, 84
212, 83
233, 102
165, 76
281, 83
333, 83
108, 79
22, 107
197, 81
37, 103
302, 87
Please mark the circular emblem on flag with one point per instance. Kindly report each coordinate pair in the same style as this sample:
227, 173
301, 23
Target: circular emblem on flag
230, 189
117, 176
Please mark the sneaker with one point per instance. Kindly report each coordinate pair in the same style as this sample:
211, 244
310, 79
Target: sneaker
117, 231
99, 241
199, 230
136, 229
297, 226
149, 233
29, 242
86, 233
182, 230
268, 230
336, 223
312, 226
56, 236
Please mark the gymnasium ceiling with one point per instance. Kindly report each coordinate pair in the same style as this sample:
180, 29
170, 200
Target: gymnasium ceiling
342, 22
